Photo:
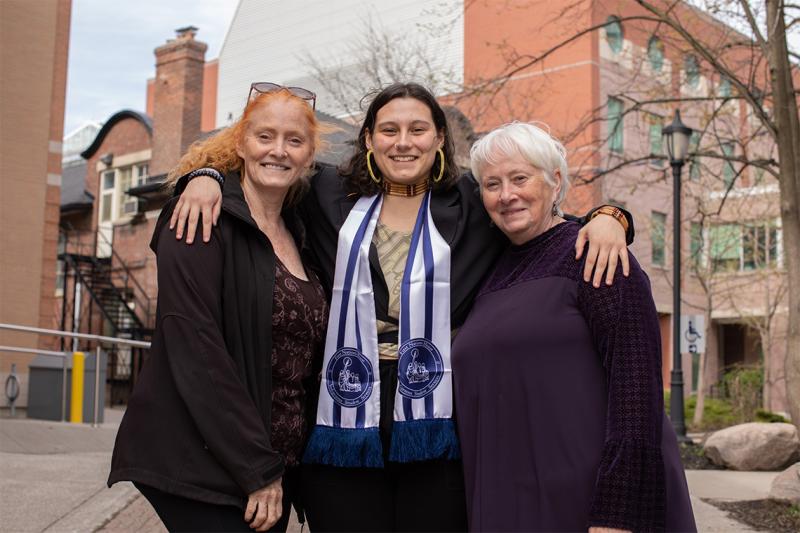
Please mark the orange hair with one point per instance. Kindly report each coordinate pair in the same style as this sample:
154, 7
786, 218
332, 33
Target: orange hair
219, 150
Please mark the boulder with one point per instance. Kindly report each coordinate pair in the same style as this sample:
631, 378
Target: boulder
787, 485
754, 446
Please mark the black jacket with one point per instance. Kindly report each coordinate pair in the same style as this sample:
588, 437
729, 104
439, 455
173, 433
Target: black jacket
197, 424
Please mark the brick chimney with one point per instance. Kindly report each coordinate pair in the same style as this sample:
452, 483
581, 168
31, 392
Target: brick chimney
177, 98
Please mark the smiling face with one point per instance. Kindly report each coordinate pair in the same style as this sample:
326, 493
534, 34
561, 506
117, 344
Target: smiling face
278, 145
404, 141
518, 198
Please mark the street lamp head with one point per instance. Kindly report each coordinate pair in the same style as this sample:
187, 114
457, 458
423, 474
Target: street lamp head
677, 137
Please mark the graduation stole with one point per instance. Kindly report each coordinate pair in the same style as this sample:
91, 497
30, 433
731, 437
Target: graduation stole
348, 412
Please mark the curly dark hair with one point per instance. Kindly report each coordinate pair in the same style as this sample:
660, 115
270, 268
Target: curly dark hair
355, 173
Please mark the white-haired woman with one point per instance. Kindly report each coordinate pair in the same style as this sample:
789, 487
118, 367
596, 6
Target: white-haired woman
558, 385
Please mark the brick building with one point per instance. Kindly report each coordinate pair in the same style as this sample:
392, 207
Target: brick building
112, 201
34, 73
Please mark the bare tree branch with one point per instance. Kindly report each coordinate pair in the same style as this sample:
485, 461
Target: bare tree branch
751, 19
714, 61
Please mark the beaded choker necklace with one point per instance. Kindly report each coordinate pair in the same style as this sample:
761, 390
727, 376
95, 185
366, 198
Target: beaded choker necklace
396, 189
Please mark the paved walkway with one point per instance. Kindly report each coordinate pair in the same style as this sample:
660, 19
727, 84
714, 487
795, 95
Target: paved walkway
52, 478
724, 485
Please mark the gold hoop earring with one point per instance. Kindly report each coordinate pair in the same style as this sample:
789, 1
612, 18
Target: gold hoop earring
438, 178
369, 169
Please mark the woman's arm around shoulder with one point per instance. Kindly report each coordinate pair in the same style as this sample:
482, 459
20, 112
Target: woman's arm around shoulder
199, 197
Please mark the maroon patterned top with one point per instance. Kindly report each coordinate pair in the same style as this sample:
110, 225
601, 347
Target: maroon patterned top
299, 318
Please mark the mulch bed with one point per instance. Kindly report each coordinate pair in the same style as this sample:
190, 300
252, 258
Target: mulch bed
693, 458
763, 515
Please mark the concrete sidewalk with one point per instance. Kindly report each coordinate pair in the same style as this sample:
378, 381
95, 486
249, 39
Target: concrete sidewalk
52, 475
52, 478
725, 485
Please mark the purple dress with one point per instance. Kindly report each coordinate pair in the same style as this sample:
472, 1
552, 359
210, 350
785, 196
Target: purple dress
559, 399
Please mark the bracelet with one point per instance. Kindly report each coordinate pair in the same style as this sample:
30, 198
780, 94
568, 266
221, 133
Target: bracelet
210, 172
615, 212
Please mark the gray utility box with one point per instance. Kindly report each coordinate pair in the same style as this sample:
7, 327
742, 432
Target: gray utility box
45, 385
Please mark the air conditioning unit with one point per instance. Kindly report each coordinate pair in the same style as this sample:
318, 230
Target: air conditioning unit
131, 207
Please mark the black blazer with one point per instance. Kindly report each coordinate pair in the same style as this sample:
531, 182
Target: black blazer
197, 424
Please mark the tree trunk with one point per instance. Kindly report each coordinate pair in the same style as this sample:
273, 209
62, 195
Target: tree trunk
700, 404
788, 136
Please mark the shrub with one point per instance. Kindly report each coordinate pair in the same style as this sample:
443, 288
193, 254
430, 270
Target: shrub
742, 387
762, 415
718, 413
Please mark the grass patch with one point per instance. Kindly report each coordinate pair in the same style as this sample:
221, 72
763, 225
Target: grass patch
719, 413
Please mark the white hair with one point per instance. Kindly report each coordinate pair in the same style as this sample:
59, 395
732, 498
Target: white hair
533, 143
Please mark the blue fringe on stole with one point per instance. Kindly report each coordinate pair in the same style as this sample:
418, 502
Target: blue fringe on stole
345, 447
421, 440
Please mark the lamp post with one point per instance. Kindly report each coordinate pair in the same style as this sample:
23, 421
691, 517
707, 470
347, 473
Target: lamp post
677, 137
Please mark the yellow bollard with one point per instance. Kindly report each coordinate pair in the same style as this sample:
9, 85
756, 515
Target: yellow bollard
76, 401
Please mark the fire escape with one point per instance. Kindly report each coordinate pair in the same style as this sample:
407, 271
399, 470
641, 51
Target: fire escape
102, 296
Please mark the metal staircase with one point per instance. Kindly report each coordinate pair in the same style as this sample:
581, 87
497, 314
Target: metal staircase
127, 309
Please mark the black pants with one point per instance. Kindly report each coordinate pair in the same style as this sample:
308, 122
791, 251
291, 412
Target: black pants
183, 514
424, 496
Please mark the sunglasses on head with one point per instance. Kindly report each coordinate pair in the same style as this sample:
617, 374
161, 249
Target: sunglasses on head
263, 87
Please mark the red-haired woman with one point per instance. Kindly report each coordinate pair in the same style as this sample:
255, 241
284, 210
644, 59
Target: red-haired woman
215, 428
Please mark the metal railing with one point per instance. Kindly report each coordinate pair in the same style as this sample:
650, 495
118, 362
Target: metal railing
85, 243
66, 334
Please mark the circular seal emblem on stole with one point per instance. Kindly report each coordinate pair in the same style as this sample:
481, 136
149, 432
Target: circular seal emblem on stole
349, 377
419, 368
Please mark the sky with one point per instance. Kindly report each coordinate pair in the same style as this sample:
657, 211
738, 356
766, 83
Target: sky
111, 49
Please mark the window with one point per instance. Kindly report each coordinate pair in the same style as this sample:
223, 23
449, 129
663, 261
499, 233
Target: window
107, 195
658, 223
692, 70
759, 246
725, 240
123, 183
115, 202
614, 34
696, 243
615, 138
130, 204
744, 247
728, 172
724, 90
60, 275
694, 147
140, 173
655, 53
656, 139
758, 175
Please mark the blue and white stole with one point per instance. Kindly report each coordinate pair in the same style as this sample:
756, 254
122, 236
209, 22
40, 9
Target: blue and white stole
348, 412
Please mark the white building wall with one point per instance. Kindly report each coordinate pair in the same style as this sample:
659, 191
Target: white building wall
269, 39
77, 141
